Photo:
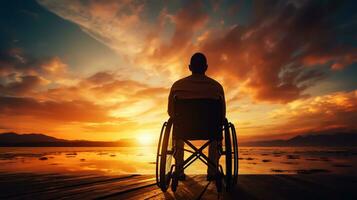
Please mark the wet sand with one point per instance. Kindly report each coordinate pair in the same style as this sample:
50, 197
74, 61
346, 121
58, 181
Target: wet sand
118, 161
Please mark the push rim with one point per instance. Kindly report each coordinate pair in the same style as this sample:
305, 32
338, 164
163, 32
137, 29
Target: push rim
235, 154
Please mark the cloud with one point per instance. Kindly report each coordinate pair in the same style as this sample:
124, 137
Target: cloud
103, 99
101, 78
171, 56
272, 57
188, 20
112, 22
336, 110
53, 67
65, 111
283, 51
23, 75
338, 59
34, 88
146, 49
21, 85
16, 60
100, 107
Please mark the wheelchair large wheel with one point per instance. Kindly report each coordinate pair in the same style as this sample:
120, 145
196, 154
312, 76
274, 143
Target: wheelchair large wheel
158, 154
230, 172
228, 176
164, 157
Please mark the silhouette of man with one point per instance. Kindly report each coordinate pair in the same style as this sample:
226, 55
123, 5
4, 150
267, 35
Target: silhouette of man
197, 85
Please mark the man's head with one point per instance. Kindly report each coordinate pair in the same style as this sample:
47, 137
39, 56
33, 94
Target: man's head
198, 63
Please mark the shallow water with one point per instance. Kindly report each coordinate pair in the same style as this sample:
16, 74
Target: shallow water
141, 160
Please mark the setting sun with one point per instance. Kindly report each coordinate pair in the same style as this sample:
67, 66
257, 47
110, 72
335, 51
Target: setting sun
145, 139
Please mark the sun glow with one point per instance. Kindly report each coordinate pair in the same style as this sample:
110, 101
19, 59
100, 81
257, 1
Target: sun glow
145, 139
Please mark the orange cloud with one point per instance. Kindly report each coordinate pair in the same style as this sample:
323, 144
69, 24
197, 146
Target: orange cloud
337, 110
15, 60
270, 59
337, 59
54, 66
334, 112
67, 111
101, 103
187, 21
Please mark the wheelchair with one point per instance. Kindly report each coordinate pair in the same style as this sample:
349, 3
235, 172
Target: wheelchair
197, 119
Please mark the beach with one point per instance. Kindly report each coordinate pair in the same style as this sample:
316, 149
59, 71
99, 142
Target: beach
129, 173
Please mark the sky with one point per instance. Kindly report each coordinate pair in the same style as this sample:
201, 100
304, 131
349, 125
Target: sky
102, 70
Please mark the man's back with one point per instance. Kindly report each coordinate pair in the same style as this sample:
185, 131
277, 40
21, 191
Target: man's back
196, 86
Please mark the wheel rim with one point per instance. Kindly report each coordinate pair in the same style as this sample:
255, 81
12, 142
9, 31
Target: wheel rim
166, 157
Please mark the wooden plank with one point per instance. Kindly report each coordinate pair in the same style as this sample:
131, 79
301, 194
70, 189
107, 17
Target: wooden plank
27, 183
72, 186
40, 178
191, 188
99, 189
154, 192
119, 194
211, 192
290, 187
50, 185
102, 191
5, 177
338, 186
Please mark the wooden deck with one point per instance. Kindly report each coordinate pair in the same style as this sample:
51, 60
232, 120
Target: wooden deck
57, 186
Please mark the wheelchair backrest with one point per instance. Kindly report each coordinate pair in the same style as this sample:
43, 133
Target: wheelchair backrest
197, 119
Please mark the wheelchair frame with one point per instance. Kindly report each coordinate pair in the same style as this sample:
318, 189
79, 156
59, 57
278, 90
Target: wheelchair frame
166, 149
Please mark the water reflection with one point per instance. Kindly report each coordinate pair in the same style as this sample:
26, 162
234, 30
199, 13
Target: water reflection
141, 160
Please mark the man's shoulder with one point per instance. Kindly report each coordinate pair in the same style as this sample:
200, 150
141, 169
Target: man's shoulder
180, 81
192, 78
214, 82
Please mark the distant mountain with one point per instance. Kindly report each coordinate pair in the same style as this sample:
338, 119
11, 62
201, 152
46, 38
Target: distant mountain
12, 139
325, 139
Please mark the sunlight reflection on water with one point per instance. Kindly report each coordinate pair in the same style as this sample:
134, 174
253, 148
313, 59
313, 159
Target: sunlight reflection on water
141, 160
